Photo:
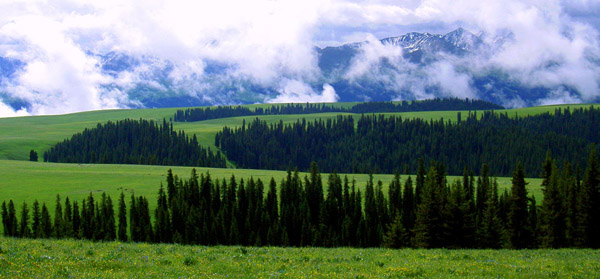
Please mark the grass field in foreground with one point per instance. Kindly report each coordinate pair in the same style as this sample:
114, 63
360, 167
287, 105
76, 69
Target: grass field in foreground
19, 135
26, 181
20, 258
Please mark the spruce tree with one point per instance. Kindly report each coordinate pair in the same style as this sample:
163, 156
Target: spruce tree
395, 195
109, 220
24, 230
534, 221
162, 227
420, 181
76, 221
490, 229
58, 226
33, 156
396, 236
455, 230
68, 219
553, 213
46, 222
372, 221
518, 227
133, 220
36, 224
408, 207
5, 227
12, 225
122, 231
429, 223
572, 192
587, 210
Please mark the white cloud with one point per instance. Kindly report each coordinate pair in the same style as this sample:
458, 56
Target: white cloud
271, 43
294, 91
6, 111
452, 82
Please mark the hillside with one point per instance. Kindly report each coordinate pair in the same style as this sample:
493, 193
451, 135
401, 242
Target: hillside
21, 134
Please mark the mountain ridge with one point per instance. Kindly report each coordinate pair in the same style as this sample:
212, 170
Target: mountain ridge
411, 66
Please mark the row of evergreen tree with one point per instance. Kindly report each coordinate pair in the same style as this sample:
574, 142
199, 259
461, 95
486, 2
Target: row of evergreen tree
381, 143
134, 142
428, 212
437, 104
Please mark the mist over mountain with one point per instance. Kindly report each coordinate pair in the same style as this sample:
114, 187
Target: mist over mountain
408, 67
67, 56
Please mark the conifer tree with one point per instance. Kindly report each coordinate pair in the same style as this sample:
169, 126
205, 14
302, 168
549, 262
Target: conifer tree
395, 195
314, 194
5, 227
162, 227
133, 220
553, 213
455, 230
420, 181
68, 219
396, 236
58, 220
587, 210
76, 221
408, 207
490, 229
45, 222
12, 225
272, 214
572, 192
534, 222
429, 223
483, 189
24, 230
122, 231
372, 222
518, 227
109, 219
36, 225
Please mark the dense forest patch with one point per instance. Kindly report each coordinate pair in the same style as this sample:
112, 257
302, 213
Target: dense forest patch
384, 144
450, 104
134, 142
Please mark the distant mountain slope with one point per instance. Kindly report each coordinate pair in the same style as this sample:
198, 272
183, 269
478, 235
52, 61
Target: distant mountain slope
408, 67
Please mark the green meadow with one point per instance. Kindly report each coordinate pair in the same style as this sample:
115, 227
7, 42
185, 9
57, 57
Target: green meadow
21, 134
24, 181
23, 258
27, 181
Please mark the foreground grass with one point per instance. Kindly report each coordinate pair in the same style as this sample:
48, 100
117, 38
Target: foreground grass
21, 258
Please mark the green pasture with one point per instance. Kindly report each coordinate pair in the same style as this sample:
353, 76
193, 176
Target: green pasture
26, 258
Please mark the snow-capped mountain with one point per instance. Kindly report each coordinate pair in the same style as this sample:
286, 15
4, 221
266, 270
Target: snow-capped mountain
410, 66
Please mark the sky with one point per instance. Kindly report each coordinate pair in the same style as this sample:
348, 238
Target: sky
57, 41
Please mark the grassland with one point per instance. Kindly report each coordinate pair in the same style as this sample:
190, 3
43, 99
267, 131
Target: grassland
20, 134
21, 258
26, 181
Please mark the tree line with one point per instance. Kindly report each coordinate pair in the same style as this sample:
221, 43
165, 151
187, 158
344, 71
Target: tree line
134, 142
427, 211
384, 144
200, 114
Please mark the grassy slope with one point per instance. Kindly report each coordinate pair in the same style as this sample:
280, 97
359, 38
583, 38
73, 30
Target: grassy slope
26, 181
21, 134
83, 259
